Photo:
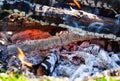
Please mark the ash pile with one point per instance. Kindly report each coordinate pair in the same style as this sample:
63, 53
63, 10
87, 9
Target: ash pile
87, 60
74, 60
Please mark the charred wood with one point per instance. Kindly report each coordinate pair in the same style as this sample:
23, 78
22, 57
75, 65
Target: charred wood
71, 19
79, 22
43, 44
78, 19
62, 40
47, 66
106, 4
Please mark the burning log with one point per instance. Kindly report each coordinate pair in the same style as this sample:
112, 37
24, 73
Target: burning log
47, 66
84, 16
107, 4
63, 39
71, 19
43, 44
16, 26
77, 20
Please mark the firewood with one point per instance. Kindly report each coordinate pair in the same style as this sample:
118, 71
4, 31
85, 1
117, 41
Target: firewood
107, 4
43, 44
71, 19
74, 18
78, 19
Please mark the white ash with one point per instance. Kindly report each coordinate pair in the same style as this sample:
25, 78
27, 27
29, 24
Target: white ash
34, 58
105, 60
31, 57
96, 61
14, 62
64, 69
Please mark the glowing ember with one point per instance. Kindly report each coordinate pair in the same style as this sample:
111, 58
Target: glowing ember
77, 4
12, 20
21, 57
30, 34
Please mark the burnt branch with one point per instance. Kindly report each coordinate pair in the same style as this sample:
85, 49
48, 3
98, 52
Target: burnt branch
44, 44
77, 20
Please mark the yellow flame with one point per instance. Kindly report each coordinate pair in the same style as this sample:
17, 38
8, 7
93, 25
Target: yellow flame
77, 4
21, 57
12, 20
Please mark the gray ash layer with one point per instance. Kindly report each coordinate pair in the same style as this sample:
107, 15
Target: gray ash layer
96, 59
91, 59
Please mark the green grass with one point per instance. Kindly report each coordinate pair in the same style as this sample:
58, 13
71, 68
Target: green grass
12, 77
20, 77
106, 78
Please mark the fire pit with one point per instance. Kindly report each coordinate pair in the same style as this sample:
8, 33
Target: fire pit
58, 43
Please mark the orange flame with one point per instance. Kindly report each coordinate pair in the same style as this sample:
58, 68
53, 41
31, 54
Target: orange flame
77, 4
21, 57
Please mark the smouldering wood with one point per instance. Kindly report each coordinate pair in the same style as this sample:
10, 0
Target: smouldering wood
43, 44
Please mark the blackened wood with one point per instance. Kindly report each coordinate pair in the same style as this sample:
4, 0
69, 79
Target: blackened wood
73, 20
78, 18
108, 4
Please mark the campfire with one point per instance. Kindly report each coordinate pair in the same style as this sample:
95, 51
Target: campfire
59, 40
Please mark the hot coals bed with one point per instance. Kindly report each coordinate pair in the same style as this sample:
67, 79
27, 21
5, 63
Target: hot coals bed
63, 44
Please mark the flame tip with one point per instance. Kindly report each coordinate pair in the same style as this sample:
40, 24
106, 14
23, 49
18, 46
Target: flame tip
77, 4
21, 57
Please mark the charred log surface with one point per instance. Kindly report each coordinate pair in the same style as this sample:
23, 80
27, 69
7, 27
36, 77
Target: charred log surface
18, 25
75, 18
61, 40
47, 66
108, 4
58, 16
43, 44
71, 19
105, 4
